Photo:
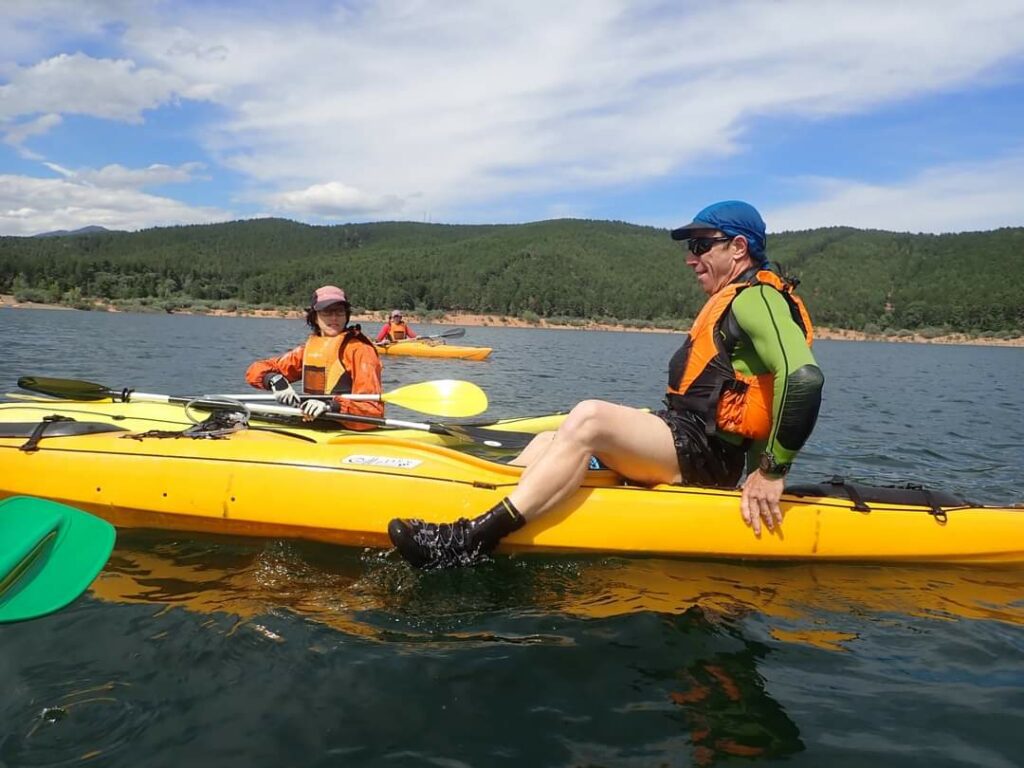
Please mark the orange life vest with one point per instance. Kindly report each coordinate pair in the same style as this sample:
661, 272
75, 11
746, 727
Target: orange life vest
323, 373
398, 331
708, 383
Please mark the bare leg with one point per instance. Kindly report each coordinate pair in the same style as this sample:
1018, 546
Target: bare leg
534, 450
634, 443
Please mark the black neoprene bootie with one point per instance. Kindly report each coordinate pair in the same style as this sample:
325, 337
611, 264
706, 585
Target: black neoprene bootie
463, 542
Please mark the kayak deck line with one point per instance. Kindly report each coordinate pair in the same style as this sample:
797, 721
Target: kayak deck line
251, 462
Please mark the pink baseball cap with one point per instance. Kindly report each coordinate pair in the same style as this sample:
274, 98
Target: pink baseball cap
327, 295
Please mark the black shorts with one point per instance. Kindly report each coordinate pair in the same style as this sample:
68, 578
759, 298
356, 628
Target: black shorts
703, 459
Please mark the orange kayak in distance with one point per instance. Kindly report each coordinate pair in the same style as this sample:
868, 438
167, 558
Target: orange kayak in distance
434, 349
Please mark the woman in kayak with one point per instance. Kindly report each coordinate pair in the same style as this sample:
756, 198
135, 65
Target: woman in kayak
337, 359
743, 393
396, 329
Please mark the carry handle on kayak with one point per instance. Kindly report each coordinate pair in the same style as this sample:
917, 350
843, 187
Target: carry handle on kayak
87, 390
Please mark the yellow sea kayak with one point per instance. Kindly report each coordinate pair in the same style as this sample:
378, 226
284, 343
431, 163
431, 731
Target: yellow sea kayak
434, 349
266, 484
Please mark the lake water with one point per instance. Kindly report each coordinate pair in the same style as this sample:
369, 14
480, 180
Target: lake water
193, 650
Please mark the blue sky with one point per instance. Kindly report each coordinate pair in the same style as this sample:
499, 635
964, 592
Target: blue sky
129, 114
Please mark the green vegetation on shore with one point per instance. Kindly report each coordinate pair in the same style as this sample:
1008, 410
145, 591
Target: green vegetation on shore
600, 271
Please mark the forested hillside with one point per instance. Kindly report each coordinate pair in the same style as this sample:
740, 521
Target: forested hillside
595, 270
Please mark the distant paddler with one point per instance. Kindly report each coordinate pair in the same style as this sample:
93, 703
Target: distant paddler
337, 359
395, 329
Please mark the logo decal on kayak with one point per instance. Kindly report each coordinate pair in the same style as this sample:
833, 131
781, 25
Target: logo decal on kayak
381, 461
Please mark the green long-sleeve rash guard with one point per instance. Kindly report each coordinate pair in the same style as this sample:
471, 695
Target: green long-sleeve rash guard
770, 341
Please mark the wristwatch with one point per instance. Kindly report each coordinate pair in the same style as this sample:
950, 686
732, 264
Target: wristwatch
772, 468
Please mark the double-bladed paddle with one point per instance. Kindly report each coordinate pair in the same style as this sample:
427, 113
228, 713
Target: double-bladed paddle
74, 389
49, 555
444, 397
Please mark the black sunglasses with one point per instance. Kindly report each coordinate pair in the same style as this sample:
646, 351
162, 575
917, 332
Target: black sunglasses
700, 245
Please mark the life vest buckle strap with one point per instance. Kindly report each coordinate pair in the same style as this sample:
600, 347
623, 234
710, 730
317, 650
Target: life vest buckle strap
711, 406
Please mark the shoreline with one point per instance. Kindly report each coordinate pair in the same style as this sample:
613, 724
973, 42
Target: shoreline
501, 321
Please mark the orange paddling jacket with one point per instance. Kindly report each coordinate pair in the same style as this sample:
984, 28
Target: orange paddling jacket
702, 377
343, 364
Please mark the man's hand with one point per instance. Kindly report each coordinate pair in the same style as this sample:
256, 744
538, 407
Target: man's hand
283, 391
313, 409
760, 501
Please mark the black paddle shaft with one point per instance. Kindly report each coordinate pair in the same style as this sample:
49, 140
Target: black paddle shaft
74, 389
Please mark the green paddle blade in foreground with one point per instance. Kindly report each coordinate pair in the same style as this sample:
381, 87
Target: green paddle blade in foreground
49, 555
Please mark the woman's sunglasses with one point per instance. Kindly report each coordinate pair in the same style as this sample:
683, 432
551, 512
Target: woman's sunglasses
700, 245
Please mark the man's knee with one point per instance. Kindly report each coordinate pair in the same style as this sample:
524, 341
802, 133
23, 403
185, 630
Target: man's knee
585, 422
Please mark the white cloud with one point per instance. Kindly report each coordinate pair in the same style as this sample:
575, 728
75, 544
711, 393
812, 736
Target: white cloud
118, 177
20, 132
467, 102
334, 200
80, 84
29, 206
369, 106
954, 198
30, 29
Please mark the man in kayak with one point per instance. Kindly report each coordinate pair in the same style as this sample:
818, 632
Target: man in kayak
743, 392
396, 329
335, 360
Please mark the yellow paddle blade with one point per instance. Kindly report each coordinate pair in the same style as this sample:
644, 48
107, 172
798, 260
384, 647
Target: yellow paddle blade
445, 397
